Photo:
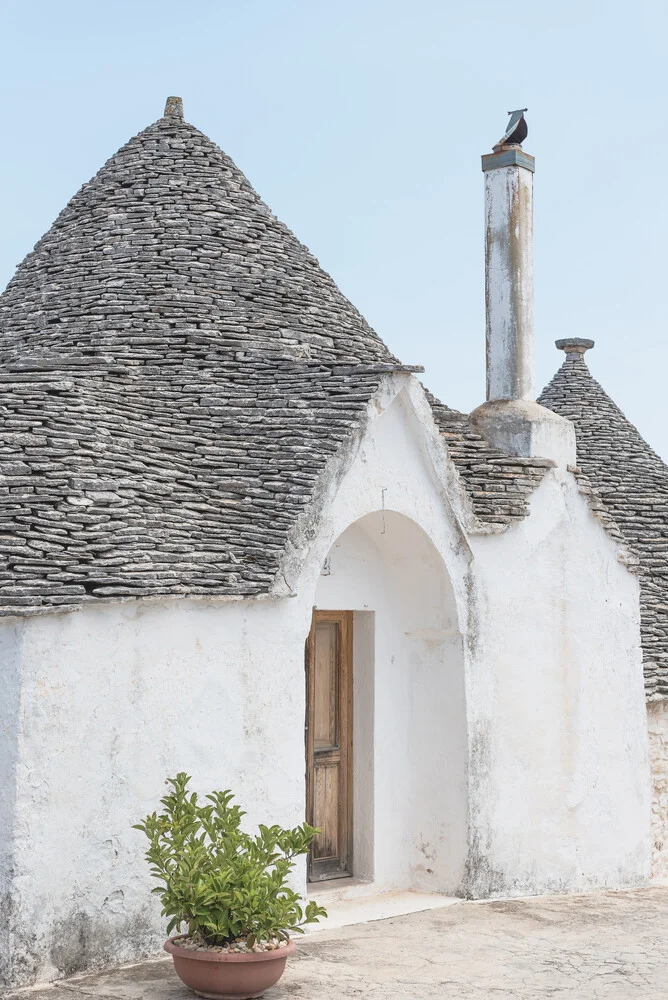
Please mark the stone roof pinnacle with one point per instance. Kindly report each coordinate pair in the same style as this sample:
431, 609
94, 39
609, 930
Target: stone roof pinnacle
174, 107
574, 345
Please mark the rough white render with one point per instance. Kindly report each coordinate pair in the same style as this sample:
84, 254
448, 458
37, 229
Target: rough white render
416, 827
507, 733
10, 695
117, 697
113, 700
658, 750
559, 780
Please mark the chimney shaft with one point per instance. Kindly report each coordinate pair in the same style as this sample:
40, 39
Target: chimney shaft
510, 419
509, 273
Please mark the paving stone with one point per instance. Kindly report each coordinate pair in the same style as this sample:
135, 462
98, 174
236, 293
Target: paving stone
604, 946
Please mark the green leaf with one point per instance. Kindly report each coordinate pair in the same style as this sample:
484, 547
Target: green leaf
215, 877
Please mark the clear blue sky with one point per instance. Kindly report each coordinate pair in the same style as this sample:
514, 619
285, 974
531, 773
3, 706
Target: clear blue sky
361, 123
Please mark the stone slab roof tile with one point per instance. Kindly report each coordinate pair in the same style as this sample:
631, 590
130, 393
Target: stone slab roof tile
499, 486
117, 484
175, 372
169, 247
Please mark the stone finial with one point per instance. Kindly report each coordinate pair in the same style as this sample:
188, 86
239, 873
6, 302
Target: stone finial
574, 345
174, 107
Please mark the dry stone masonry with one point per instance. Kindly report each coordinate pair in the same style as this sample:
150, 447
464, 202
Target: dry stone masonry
499, 486
169, 251
176, 371
658, 754
135, 481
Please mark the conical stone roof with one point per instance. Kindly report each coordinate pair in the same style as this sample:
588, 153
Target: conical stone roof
167, 249
632, 482
176, 371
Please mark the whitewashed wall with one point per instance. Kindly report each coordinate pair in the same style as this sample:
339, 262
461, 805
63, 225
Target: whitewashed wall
559, 778
658, 747
117, 697
408, 564
113, 699
415, 722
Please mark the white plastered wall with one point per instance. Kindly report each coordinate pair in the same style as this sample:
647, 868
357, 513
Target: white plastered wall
114, 700
404, 559
559, 778
409, 754
118, 696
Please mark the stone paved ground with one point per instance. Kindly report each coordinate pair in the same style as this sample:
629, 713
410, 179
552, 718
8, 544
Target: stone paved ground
608, 946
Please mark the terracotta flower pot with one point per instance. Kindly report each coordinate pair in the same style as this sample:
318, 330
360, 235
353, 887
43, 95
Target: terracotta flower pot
223, 976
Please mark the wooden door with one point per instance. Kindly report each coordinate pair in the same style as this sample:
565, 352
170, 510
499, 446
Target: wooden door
329, 743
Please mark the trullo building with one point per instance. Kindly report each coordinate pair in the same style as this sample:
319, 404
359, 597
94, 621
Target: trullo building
207, 458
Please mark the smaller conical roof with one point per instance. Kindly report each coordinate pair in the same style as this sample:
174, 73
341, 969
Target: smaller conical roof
632, 481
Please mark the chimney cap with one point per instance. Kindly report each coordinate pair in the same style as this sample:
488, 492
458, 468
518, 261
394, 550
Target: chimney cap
574, 345
508, 156
173, 107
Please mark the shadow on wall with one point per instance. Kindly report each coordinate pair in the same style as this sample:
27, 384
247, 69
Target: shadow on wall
409, 731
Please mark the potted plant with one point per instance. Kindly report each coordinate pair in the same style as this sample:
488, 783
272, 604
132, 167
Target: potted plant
228, 888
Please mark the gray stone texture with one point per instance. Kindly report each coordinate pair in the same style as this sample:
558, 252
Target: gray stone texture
499, 486
125, 482
176, 370
168, 253
632, 482
658, 755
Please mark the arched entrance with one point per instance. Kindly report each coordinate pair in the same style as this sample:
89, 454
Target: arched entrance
403, 741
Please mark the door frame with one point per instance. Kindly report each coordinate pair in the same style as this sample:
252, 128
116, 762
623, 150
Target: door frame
319, 871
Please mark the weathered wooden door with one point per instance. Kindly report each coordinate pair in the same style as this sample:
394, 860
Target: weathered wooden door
329, 743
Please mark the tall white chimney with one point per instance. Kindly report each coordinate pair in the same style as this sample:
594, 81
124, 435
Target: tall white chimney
511, 419
509, 273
